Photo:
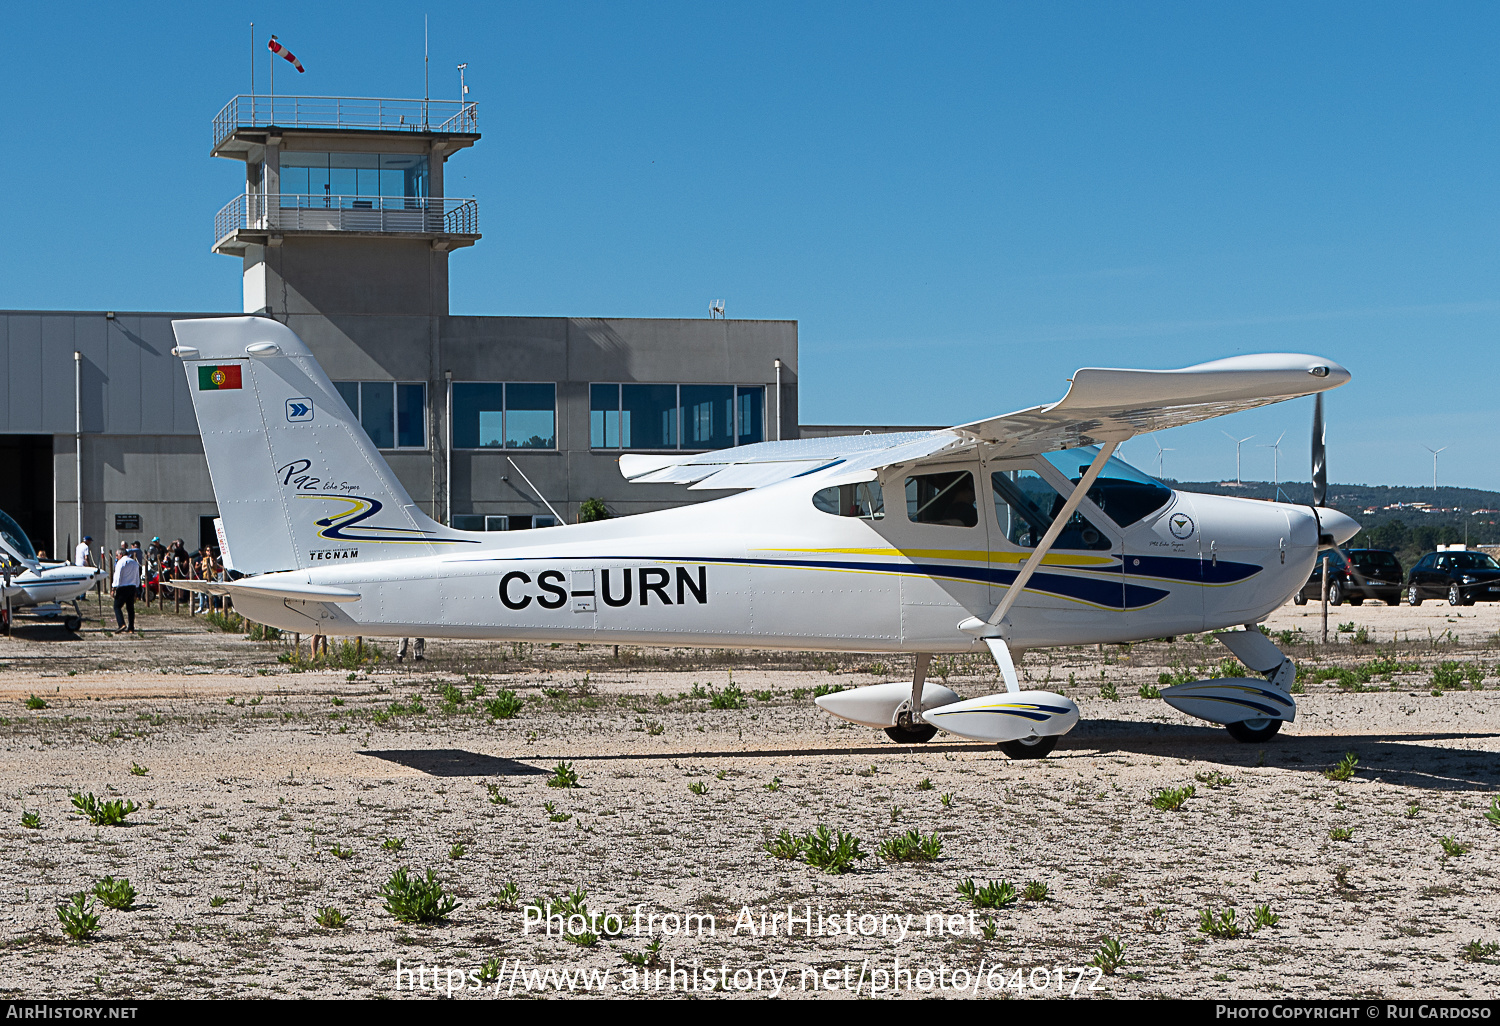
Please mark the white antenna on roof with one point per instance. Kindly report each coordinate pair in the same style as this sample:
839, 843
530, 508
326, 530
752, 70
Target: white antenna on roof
716, 309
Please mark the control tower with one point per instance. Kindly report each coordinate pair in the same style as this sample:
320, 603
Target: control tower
343, 212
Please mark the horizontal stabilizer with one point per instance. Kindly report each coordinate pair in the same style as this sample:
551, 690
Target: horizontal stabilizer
255, 588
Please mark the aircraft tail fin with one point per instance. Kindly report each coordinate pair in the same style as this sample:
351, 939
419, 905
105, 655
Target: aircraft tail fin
297, 479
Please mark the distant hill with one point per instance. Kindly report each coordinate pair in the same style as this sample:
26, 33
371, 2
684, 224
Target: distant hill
1408, 521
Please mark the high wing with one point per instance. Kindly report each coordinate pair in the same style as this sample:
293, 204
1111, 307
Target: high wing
1103, 404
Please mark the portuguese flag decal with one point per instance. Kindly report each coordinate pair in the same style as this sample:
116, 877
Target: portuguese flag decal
214, 379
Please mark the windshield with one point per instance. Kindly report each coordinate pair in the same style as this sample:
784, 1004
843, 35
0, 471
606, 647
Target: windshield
15, 539
1374, 559
1474, 561
1122, 492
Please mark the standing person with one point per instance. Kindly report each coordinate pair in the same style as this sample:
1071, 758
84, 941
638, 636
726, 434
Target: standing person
127, 583
202, 602
421, 650
84, 555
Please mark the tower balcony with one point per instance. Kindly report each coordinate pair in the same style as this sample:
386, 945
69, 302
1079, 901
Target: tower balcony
246, 121
266, 219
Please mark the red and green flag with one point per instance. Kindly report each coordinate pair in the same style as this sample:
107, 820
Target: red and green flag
215, 379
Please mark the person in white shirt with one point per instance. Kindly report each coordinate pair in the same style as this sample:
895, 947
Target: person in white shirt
127, 583
84, 556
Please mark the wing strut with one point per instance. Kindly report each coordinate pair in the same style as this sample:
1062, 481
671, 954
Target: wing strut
992, 630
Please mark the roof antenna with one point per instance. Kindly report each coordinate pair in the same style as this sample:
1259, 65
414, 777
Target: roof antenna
426, 74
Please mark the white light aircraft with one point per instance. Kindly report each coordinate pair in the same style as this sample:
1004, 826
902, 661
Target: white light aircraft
27, 582
874, 543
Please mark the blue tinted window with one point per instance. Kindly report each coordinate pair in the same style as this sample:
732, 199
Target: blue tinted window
495, 415
604, 416
478, 415
411, 416
752, 410
707, 416
377, 412
349, 390
531, 416
648, 416
1122, 492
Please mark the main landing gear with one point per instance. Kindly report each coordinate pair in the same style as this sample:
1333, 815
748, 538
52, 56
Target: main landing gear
905, 733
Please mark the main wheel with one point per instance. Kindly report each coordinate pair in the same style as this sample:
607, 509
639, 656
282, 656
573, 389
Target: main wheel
911, 735
1455, 597
1299, 599
1251, 731
1029, 747
72, 623
1335, 595
1413, 596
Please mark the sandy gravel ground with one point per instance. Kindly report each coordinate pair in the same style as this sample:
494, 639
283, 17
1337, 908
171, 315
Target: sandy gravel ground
268, 795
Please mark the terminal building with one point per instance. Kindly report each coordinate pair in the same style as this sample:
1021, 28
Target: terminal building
343, 230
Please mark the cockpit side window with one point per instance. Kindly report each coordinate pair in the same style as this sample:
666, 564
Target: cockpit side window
1026, 505
1124, 494
863, 500
946, 499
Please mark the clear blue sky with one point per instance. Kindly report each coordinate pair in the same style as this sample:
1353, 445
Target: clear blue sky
959, 204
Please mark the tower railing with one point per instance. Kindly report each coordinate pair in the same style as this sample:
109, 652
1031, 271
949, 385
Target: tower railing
363, 113
433, 215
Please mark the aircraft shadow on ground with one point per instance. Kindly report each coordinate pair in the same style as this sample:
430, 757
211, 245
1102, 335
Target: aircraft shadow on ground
23, 631
1409, 760
455, 762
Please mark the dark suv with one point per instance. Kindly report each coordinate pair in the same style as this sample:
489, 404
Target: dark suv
1374, 574
1462, 577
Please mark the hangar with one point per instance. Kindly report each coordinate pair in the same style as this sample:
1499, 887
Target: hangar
343, 230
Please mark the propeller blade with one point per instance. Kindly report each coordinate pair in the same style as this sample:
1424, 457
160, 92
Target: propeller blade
1319, 455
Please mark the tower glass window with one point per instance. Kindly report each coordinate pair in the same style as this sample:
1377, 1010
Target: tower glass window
358, 175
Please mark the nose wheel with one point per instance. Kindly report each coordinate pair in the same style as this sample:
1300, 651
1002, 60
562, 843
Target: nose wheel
1251, 731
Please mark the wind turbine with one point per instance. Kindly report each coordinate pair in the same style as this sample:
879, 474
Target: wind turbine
1434, 463
1275, 448
1237, 443
1160, 452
